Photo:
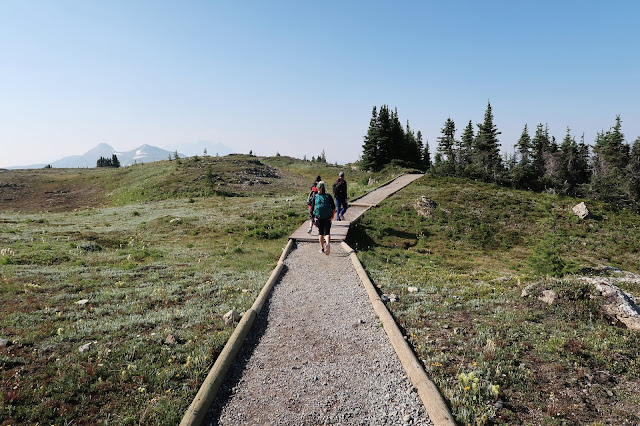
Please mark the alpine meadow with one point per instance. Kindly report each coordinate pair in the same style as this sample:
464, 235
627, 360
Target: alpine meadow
114, 280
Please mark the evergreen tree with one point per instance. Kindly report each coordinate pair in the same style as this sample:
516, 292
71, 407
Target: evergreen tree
634, 174
426, 157
487, 153
540, 148
465, 156
611, 156
446, 161
420, 150
114, 161
523, 146
371, 158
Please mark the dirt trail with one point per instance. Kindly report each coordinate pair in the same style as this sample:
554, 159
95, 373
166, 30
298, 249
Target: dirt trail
317, 353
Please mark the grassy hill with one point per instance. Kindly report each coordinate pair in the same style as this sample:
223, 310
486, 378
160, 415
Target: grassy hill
161, 251
499, 357
136, 266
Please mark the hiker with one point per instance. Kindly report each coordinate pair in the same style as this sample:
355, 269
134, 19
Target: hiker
323, 209
310, 198
340, 192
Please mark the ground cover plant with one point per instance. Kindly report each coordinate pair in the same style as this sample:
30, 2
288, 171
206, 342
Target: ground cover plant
498, 357
114, 281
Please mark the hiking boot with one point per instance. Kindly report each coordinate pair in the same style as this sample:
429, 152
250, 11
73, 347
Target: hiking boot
327, 249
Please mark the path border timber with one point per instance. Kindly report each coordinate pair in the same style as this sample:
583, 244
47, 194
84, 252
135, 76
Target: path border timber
434, 403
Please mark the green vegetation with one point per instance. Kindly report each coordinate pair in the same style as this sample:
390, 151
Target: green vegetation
148, 271
161, 251
610, 172
498, 357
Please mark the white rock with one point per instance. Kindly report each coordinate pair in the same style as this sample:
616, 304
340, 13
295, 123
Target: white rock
581, 210
82, 302
85, 347
548, 296
412, 289
231, 317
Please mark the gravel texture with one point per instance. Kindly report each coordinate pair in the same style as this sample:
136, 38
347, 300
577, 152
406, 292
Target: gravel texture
317, 354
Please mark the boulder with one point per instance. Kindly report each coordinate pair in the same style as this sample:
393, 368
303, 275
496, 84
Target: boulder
231, 317
548, 296
620, 308
581, 210
426, 207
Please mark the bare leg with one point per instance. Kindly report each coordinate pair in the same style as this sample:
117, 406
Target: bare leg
321, 239
327, 249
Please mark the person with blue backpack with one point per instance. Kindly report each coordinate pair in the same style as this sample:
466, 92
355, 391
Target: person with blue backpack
323, 210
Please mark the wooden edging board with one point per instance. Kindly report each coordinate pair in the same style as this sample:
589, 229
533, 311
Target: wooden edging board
427, 391
197, 411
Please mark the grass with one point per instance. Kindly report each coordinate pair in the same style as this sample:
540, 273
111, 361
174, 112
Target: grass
135, 266
161, 251
149, 271
497, 357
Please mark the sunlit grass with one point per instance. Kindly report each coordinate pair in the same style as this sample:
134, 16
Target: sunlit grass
498, 357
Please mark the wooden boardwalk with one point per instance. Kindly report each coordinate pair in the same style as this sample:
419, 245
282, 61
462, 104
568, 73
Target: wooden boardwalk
339, 229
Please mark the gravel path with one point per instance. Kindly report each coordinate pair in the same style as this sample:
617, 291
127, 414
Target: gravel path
317, 354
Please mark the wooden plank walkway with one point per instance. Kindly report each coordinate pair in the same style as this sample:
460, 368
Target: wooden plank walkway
339, 229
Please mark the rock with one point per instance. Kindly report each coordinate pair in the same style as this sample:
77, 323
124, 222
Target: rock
393, 298
581, 210
85, 347
406, 418
371, 182
170, 340
526, 292
498, 404
82, 302
412, 289
619, 306
548, 296
4, 343
426, 207
231, 317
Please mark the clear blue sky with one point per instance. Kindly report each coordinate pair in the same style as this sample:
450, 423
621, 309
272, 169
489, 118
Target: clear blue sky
297, 77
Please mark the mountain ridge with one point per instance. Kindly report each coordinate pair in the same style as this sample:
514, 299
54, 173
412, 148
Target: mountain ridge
145, 153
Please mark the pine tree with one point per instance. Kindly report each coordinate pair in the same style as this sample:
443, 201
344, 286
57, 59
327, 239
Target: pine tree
609, 180
426, 157
465, 156
446, 164
523, 146
114, 161
370, 149
420, 150
540, 148
488, 148
634, 174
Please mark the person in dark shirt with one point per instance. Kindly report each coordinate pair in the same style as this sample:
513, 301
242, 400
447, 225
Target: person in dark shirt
340, 192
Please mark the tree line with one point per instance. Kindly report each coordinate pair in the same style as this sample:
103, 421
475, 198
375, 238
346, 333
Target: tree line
608, 171
108, 162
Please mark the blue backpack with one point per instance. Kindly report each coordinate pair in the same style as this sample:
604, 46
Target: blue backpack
322, 207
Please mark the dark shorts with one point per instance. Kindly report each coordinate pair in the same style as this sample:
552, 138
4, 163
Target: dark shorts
324, 226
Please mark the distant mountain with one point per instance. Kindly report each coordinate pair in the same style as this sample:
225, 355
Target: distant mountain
143, 154
197, 148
